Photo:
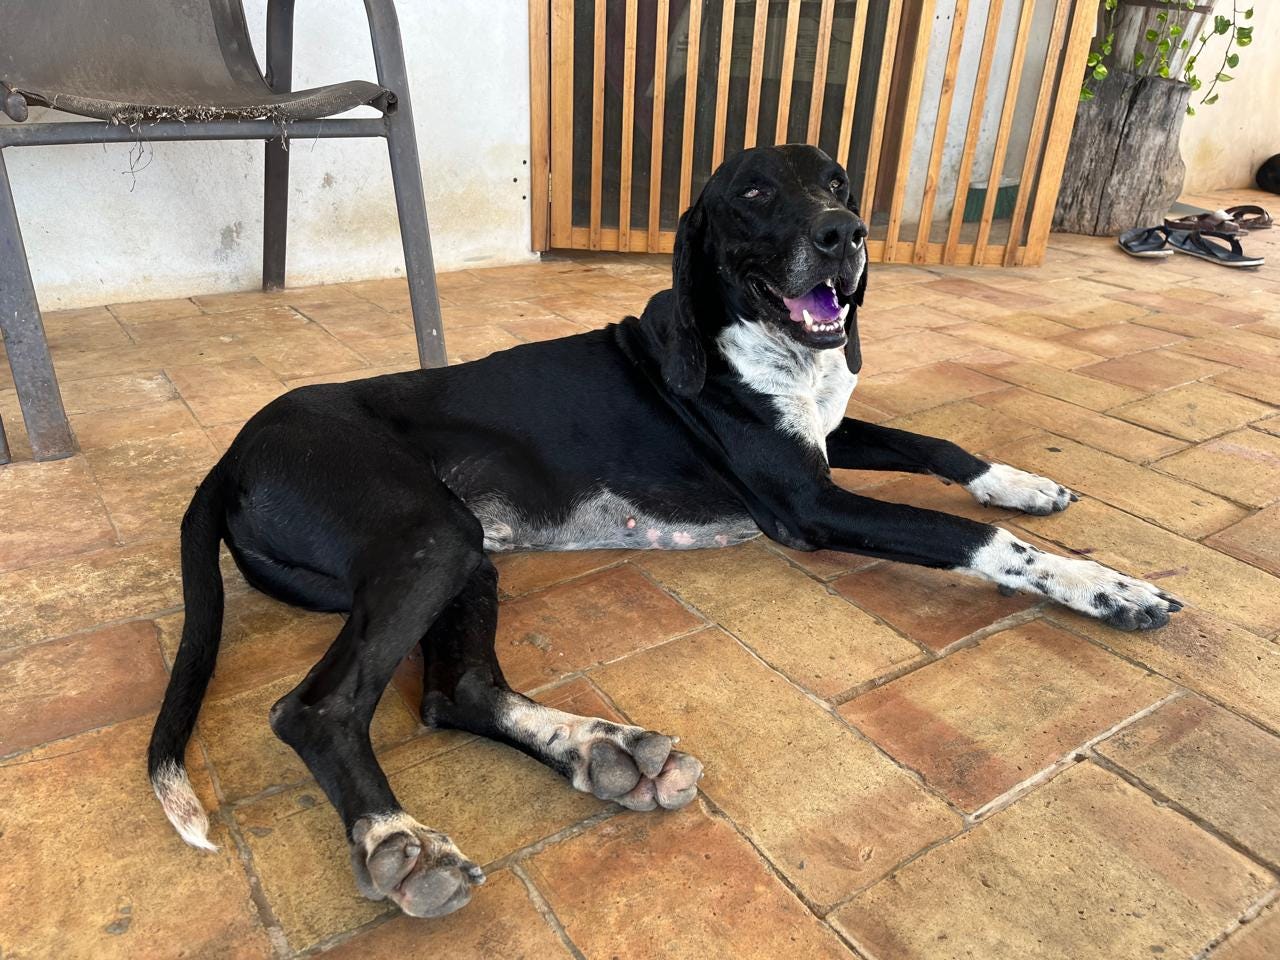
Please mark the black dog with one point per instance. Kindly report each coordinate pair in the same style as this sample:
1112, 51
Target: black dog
713, 417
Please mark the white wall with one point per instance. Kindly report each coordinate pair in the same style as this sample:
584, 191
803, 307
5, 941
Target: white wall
1224, 144
189, 218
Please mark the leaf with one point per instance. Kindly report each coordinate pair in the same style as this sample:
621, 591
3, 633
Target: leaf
1175, 31
1195, 83
1152, 36
1094, 59
1191, 111
1163, 47
1244, 36
1100, 72
1184, 44
1164, 70
1085, 94
1139, 58
1221, 24
1248, 14
1224, 76
1163, 16
1210, 100
1233, 59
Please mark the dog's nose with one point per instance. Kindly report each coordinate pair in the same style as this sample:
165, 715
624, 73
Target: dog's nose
835, 231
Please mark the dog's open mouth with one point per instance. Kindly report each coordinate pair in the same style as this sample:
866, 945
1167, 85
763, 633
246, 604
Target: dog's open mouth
819, 310
819, 313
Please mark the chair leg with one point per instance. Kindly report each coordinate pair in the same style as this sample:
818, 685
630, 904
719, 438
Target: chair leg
411, 206
25, 342
275, 214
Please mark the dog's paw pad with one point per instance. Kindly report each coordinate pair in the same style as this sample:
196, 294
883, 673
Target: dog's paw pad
1005, 486
674, 786
639, 770
417, 868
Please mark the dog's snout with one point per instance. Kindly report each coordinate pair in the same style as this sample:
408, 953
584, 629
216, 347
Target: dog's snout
835, 231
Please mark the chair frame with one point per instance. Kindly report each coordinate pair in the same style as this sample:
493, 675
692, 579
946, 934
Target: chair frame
20, 321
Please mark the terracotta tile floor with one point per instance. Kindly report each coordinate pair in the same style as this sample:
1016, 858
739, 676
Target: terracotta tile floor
901, 764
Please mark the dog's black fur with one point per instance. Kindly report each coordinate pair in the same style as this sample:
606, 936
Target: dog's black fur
715, 415
1268, 175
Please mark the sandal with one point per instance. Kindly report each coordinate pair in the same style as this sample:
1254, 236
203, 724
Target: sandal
1151, 242
1217, 222
1196, 244
1249, 216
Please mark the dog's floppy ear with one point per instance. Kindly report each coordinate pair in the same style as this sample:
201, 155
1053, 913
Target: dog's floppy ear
683, 357
852, 347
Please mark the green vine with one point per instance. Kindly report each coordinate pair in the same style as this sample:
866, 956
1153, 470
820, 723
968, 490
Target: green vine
1166, 38
1240, 37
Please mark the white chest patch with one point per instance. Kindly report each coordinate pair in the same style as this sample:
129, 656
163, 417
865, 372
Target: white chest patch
808, 388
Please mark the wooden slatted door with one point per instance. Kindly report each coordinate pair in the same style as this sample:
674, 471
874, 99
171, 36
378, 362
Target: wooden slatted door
952, 116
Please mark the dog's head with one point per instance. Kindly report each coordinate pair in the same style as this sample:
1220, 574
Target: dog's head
774, 238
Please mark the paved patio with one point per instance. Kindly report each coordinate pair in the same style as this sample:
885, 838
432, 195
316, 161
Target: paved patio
901, 764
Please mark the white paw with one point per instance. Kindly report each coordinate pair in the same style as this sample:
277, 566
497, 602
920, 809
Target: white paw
1083, 585
1005, 486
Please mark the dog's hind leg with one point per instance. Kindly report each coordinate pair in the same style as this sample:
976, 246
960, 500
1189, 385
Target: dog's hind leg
463, 687
403, 580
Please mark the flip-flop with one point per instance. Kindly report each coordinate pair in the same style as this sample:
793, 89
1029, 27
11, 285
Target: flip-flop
1148, 242
1198, 245
1249, 216
1217, 222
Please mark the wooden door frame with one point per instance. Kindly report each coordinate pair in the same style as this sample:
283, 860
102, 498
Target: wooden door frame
540, 125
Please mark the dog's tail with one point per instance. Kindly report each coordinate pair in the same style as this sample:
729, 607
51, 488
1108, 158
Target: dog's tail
193, 665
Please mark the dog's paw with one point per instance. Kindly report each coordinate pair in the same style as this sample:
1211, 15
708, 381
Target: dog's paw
1005, 486
637, 769
1124, 602
419, 869
1127, 603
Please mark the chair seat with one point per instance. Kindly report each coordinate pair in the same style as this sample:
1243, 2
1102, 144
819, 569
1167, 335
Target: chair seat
226, 101
134, 60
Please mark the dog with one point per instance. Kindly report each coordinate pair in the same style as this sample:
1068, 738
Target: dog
715, 416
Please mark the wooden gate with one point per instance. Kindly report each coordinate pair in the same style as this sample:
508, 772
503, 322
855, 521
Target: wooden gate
951, 116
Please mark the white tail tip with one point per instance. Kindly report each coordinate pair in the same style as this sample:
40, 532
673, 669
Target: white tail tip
181, 805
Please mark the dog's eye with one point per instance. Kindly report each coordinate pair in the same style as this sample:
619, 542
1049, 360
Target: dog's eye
751, 193
836, 184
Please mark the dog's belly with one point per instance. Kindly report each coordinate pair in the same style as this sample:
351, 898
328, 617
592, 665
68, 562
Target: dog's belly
604, 521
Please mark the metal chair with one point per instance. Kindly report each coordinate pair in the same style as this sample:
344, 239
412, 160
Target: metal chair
185, 70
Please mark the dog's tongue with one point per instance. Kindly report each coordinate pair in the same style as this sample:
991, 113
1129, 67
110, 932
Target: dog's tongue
821, 303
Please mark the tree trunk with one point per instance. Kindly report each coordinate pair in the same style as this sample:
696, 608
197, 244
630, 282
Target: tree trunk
1123, 166
1131, 22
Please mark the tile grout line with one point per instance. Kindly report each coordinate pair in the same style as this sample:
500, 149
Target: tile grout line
547, 912
1064, 762
1190, 689
1250, 914
1162, 799
832, 712
714, 811
266, 916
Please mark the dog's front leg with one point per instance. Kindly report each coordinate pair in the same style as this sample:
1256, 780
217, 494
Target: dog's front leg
829, 517
856, 445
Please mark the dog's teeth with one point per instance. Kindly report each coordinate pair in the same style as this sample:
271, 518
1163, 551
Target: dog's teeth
808, 320
830, 283
844, 312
